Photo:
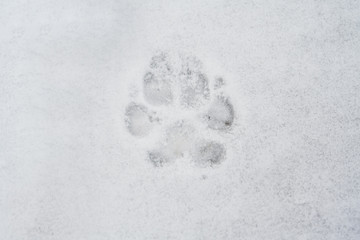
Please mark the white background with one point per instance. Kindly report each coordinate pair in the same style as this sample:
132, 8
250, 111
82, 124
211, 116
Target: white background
69, 170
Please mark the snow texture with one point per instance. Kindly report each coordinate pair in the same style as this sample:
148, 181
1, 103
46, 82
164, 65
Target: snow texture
186, 119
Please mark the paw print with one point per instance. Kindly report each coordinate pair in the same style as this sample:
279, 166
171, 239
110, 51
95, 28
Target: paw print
189, 110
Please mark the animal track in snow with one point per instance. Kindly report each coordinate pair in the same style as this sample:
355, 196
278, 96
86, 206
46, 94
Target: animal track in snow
179, 92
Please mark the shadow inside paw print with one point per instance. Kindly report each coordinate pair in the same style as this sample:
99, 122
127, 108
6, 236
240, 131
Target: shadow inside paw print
220, 115
179, 84
138, 120
208, 153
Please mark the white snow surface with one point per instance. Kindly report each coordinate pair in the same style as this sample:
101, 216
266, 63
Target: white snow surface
70, 169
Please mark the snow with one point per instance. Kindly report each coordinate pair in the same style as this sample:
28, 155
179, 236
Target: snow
70, 167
